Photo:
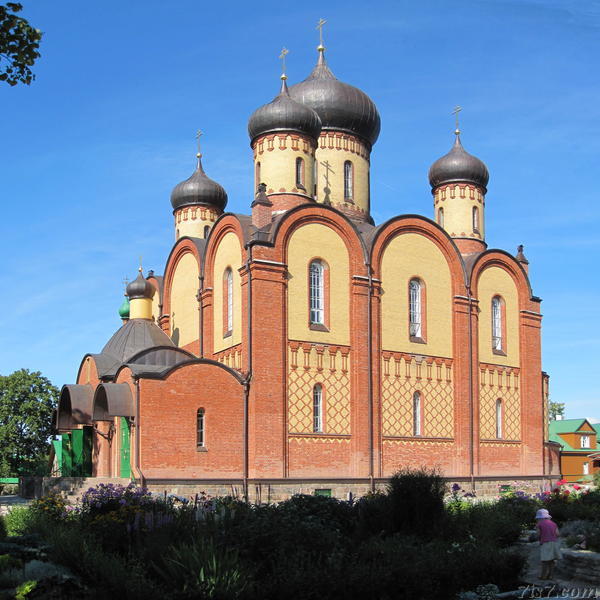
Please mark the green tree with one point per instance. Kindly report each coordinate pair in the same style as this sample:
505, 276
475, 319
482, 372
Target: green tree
555, 410
26, 403
19, 43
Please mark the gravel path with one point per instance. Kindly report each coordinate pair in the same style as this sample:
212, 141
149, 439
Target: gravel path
7, 502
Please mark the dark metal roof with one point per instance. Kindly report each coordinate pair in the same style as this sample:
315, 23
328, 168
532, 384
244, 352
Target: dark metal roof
341, 106
199, 189
112, 400
140, 287
284, 114
130, 339
74, 407
458, 166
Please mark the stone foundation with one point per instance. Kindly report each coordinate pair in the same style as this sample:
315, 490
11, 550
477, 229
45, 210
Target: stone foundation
271, 490
580, 565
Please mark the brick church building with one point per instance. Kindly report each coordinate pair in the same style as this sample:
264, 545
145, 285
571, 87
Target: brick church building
303, 347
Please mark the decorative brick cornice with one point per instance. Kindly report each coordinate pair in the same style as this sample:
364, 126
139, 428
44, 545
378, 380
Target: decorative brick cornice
336, 140
458, 190
196, 213
283, 141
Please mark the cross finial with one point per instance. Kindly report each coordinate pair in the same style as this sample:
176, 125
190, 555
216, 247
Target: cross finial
199, 134
284, 53
455, 112
140, 269
126, 281
320, 24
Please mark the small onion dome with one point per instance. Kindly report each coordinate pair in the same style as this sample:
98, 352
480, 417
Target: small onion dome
342, 107
458, 166
124, 309
199, 190
140, 287
284, 114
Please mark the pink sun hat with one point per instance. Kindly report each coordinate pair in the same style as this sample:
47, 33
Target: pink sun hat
543, 514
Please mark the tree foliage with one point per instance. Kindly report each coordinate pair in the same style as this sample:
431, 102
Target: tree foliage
19, 44
26, 403
555, 410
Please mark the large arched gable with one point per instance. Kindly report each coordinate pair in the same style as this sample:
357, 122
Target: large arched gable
183, 246
88, 371
431, 231
507, 262
227, 223
330, 217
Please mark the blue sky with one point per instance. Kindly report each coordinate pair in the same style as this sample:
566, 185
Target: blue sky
91, 150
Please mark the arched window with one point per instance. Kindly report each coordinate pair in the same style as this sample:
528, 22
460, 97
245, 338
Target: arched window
475, 219
200, 429
441, 217
499, 416
206, 231
497, 324
300, 173
315, 177
257, 176
318, 408
348, 181
415, 309
227, 302
317, 292
417, 424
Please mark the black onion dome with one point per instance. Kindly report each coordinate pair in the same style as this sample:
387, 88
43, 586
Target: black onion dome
140, 287
341, 106
284, 114
458, 166
199, 190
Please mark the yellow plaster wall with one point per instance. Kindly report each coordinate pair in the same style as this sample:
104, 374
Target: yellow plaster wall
185, 320
495, 281
156, 306
140, 308
458, 210
406, 256
278, 167
229, 254
336, 159
191, 220
309, 242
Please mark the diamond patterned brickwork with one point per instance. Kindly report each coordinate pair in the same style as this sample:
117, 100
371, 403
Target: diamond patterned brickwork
494, 383
402, 376
310, 364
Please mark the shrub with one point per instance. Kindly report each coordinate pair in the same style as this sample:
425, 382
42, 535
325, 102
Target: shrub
19, 520
204, 570
105, 498
416, 501
3, 530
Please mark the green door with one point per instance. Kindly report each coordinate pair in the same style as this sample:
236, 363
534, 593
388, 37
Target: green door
125, 470
67, 457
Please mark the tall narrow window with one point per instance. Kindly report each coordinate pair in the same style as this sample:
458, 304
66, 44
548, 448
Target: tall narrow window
499, 416
586, 468
585, 441
497, 325
300, 173
315, 177
257, 176
441, 217
348, 181
415, 309
318, 408
200, 439
475, 219
206, 231
417, 425
228, 302
317, 293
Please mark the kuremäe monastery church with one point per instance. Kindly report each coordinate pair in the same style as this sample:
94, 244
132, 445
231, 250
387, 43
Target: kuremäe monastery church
304, 347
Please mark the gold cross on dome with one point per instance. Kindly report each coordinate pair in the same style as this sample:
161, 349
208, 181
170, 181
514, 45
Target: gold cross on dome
140, 269
284, 53
199, 134
320, 28
455, 112
126, 281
